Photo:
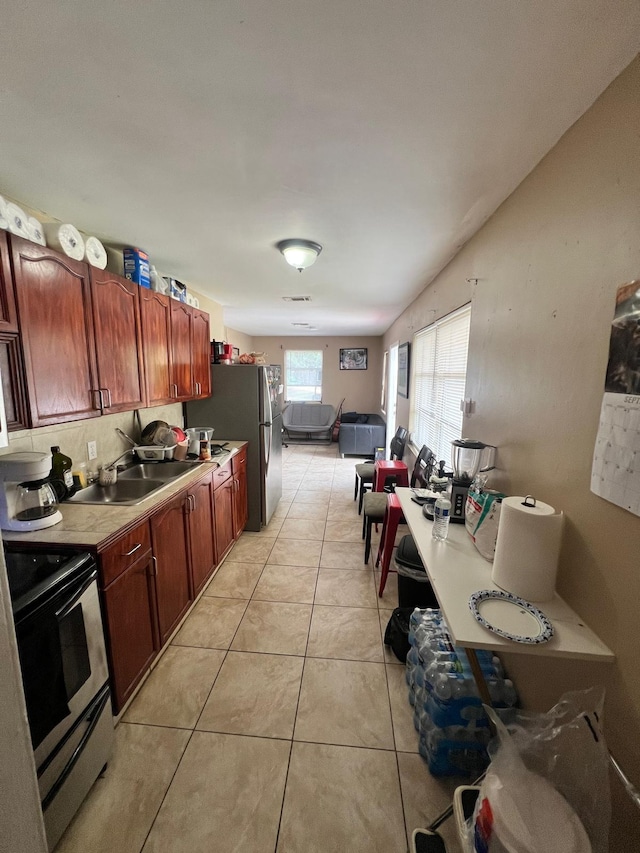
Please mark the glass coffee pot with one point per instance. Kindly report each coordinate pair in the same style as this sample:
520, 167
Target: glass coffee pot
36, 500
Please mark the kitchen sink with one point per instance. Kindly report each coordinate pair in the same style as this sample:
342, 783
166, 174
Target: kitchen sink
134, 484
122, 492
165, 471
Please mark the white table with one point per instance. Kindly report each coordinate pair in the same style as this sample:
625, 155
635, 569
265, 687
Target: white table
457, 570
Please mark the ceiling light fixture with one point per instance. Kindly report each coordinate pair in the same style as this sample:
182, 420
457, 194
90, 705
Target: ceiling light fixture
299, 253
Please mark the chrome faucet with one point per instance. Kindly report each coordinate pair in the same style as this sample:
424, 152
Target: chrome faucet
115, 461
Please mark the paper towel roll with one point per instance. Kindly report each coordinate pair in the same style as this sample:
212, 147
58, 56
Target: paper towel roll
95, 253
4, 222
36, 231
65, 238
527, 548
17, 220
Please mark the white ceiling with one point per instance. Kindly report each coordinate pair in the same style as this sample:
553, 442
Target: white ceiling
204, 131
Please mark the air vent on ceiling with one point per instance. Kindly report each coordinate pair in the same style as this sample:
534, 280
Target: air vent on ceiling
297, 298
303, 325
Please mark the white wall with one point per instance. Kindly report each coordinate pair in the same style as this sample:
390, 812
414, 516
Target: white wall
548, 264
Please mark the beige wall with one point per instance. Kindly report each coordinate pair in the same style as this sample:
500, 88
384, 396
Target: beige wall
360, 388
548, 264
243, 342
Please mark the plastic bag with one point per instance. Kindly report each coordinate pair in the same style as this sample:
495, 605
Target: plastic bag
481, 518
547, 787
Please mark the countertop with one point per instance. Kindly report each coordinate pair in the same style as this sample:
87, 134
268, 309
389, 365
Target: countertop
456, 570
94, 527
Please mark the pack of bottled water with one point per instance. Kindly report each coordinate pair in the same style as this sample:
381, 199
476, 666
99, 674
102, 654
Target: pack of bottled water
447, 708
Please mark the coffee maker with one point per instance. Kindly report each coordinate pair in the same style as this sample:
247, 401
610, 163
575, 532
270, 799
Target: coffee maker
27, 498
468, 457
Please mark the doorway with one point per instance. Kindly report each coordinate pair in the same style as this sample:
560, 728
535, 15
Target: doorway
392, 392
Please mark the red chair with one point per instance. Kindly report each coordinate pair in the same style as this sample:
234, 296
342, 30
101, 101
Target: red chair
384, 469
393, 516
365, 470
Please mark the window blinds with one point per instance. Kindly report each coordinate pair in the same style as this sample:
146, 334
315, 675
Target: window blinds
438, 381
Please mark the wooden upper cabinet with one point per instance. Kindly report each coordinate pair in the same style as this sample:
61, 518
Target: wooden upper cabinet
8, 313
13, 385
181, 365
56, 323
201, 354
155, 316
116, 321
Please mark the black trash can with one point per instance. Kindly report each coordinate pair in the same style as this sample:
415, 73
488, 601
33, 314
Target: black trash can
414, 587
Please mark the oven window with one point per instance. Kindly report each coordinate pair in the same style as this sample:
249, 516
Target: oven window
75, 653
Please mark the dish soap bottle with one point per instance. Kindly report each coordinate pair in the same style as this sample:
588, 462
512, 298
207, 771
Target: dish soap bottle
61, 475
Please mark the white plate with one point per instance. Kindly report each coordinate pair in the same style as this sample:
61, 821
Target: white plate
510, 617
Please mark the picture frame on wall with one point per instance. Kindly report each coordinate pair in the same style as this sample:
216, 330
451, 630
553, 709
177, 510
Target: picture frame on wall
353, 359
403, 369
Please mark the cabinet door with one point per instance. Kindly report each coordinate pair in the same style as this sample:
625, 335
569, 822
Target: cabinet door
169, 539
155, 317
181, 368
240, 508
54, 302
132, 638
116, 320
223, 506
8, 313
13, 385
201, 542
201, 354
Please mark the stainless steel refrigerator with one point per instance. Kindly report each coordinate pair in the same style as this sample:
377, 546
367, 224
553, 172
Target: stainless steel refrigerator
245, 405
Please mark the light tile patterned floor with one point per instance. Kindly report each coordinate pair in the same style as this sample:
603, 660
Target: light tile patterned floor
276, 722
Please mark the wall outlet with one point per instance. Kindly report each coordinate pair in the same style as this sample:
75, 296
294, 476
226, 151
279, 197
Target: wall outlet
92, 450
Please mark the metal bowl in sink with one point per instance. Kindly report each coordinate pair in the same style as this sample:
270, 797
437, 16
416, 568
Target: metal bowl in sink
122, 492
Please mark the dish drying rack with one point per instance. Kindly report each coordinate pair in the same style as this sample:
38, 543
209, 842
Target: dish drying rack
428, 841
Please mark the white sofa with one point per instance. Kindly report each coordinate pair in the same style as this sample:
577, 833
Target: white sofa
308, 420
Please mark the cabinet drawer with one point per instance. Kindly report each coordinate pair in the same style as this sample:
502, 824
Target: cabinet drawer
239, 460
221, 475
127, 550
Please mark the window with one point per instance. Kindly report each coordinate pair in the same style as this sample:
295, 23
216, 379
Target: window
303, 375
439, 377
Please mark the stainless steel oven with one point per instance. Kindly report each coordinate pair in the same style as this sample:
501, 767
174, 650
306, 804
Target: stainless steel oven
64, 672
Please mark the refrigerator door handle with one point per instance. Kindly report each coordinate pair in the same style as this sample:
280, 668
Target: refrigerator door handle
267, 448
266, 397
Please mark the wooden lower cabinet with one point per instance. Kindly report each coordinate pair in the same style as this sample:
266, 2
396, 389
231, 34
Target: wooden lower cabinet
223, 502
150, 575
201, 541
240, 506
132, 636
171, 555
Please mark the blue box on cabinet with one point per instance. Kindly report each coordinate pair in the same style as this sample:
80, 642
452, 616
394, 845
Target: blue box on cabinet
136, 266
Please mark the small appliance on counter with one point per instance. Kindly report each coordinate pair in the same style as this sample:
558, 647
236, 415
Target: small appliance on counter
193, 437
27, 498
221, 353
467, 457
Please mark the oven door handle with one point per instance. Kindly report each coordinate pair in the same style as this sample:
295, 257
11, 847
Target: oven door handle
69, 605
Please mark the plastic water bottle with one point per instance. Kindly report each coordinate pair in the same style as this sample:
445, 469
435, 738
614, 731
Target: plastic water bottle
441, 516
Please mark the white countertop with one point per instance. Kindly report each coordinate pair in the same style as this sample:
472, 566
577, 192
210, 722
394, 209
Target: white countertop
93, 526
457, 570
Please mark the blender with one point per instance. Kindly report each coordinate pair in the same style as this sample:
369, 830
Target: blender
27, 498
467, 457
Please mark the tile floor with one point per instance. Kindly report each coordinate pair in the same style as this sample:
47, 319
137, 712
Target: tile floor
276, 721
